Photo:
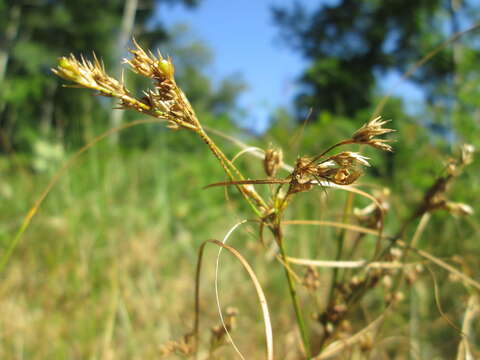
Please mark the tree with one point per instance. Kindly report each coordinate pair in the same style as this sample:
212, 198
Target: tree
350, 44
33, 34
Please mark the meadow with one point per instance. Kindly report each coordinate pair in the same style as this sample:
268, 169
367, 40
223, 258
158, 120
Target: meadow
377, 264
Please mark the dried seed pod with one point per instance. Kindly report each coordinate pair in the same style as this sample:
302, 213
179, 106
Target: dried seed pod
311, 280
218, 333
273, 160
349, 158
367, 133
149, 65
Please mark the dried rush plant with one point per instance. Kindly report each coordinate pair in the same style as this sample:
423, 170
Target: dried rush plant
329, 169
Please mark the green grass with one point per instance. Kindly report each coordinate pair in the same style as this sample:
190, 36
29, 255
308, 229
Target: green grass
106, 268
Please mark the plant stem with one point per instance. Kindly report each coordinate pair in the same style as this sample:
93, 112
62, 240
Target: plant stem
293, 293
340, 242
228, 167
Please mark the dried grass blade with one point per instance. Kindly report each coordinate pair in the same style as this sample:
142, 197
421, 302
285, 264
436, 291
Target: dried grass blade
439, 304
246, 151
217, 296
258, 289
260, 294
468, 280
347, 264
336, 224
464, 352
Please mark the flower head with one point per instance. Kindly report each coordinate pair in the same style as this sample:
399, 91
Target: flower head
367, 133
349, 158
92, 75
273, 160
149, 65
89, 74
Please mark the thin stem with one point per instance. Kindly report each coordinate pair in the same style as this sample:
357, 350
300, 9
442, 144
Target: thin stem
293, 293
344, 142
340, 242
228, 166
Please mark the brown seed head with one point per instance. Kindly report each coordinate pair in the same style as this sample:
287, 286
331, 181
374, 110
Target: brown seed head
305, 170
367, 133
149, 65
311, 279
166, 99
341, 169
345, 176
92, 75
218, 333
349, 158
273, 160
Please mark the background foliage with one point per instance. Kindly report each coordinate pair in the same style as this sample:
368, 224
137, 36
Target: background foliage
106, 268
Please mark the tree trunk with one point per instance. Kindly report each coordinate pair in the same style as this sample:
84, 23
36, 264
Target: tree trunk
128, 21
11, 33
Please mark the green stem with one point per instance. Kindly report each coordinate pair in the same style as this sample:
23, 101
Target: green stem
293, 294
228, 167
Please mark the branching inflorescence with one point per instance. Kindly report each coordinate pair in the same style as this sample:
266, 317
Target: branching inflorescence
165, 100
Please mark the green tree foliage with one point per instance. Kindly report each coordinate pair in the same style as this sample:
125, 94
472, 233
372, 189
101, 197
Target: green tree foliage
351, 44
32, 35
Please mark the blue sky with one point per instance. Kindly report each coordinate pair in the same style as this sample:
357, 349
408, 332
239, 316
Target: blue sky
244, 39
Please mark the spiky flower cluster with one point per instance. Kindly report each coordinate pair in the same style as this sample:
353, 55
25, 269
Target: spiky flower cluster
368, 132
92, 75
340, 169
436, 197
272, 161
166, 96
343, 168
165, 100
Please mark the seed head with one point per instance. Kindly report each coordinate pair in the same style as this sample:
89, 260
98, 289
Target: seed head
92, 75
273, 160
458, 209
349, 158
341, 169
367, 133
311, 279
89, 74
149, 65
166, 99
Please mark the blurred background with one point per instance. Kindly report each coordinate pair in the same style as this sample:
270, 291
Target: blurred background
106, 268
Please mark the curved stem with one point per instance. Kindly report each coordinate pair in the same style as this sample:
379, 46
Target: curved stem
344, 142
